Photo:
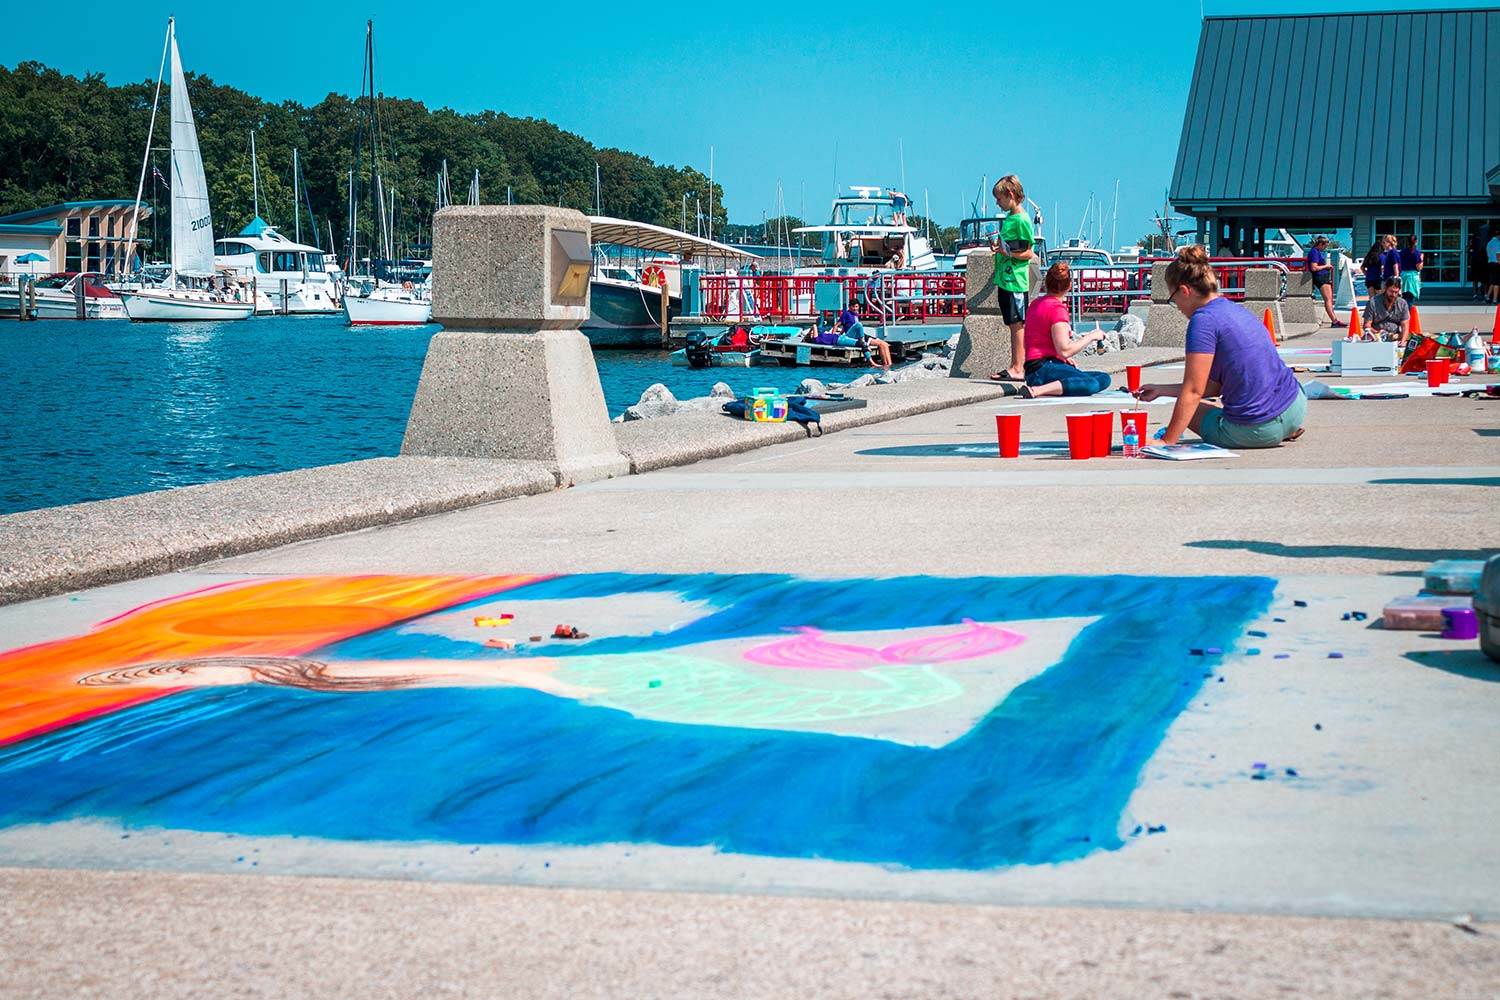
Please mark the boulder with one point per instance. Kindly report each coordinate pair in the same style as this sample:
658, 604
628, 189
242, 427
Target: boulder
811, 387
1131, 331
656, 401
721, 392
863, 380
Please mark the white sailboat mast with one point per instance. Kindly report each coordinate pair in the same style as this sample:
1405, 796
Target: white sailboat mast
254, 174
296, 209
135, 214
192, 224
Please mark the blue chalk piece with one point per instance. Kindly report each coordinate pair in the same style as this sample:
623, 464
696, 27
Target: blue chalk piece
1279, 620
1318, 726
1346, 617
1252, 651
239, 858
1137, 831
1221, 680
1258, 776
1335, 656
1283, 656
1157, 829
1258, 635
1196, 652
1291, 772
1299, 604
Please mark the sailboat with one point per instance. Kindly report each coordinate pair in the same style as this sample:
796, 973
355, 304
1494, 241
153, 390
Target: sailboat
188, 292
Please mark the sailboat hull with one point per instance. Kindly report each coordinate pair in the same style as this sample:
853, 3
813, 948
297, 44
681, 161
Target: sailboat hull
376, 311
166, 307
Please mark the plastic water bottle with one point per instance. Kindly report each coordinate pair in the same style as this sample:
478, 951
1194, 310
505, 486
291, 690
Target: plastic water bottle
1132, 440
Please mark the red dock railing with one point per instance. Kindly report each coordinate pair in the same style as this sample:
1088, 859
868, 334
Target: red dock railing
937, 296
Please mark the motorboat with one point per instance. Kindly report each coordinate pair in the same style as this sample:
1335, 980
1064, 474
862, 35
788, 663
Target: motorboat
634, 264
406, 304
293, 276
56, 297
189, 291
737, 347
868, 232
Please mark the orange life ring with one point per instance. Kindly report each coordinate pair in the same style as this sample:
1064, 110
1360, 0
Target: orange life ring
654, 277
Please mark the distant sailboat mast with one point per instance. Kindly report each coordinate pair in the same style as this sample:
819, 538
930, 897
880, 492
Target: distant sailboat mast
135, 215
254, 174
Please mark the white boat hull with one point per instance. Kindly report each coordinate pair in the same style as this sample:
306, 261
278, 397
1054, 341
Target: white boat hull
720, 359
178, 308
54, 306
374, 311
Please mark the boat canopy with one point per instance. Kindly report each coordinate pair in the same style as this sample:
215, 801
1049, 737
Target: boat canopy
256, 227
659, 239
874, 230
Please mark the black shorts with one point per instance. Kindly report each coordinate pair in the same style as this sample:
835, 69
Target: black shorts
1013, 306
1321, 278
1494, 270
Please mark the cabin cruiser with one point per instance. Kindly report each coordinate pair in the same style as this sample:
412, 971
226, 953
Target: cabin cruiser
868, 231
259, 255
56, 297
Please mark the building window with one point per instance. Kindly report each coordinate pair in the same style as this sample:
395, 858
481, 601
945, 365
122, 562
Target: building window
74, 258
109, 258
1442, 246
93, 225
93, 263
73, 228
1399, 228
111, 225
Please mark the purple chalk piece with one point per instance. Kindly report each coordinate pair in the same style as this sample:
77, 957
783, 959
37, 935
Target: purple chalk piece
1283, 656
1335, 656
1215, 650
1462, 623
1259, 766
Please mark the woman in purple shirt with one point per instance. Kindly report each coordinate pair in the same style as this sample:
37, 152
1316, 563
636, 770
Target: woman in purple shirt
1322, 276
1411, 271
1229, 355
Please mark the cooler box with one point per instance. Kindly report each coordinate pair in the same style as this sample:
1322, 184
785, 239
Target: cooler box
1453, 576
1358, 357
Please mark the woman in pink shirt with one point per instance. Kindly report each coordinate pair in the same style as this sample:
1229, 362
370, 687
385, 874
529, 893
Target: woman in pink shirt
1050, 343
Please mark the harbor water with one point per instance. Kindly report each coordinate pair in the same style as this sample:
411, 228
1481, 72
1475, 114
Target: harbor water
106, 408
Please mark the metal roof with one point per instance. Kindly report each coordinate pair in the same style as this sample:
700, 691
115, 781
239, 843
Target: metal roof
74, 206
1342, 109
33, 229
624, 233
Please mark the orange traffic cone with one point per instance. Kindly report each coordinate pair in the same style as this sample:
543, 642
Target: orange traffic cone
1355, 332
1270, 325
1495, 337
1416, 322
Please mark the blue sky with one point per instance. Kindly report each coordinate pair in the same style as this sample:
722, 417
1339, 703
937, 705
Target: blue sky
1070, 97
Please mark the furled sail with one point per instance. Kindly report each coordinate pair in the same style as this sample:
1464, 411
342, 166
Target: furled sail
192, 227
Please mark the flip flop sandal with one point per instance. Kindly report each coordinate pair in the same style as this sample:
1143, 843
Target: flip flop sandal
1003, 376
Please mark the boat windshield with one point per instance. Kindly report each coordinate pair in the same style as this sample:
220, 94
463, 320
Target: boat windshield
863, 213
53, 281
972, 231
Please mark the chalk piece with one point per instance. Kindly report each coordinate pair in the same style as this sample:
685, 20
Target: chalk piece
1335, 656
1299, 604
1318, 726
1258, 635
1157, 829
1252, 651
1259, 765
1347, 617
1281, 621
1136, 832
1291, 772
499, 644
536, 638
1359, 616
1196, 652
1258, 776
1283, 656
1213, 651
654, 684
1221, 680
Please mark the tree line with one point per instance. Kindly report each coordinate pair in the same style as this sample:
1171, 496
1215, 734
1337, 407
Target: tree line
66, 138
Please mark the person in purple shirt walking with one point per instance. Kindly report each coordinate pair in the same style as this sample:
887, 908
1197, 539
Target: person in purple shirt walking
1229, 356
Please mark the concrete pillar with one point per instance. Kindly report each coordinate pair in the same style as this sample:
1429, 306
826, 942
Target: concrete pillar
984, 345
511, 376
1166, 326
1262, 292
1299, 306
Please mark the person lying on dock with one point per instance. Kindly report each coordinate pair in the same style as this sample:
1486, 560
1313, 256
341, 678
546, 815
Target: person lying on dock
850, 326
1050, 343
1229, 356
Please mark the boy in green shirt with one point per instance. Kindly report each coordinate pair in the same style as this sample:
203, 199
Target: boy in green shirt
1013, 256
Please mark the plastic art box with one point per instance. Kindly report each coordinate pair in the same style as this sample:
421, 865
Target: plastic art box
1453, 576
1357, 357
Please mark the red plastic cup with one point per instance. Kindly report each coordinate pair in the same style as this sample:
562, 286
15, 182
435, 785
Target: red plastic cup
1435, 373
1133, 377
1081, 435
1447, 369
1008, 427
1104, 432
1137, 417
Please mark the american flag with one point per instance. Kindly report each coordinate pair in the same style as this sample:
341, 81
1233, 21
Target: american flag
155, 172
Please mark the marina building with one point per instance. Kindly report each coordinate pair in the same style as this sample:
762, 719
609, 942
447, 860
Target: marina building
73, 236
1375, 123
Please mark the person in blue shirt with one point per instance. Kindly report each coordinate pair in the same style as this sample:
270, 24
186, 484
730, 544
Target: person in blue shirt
1390, 261
1322, 276
852, 334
